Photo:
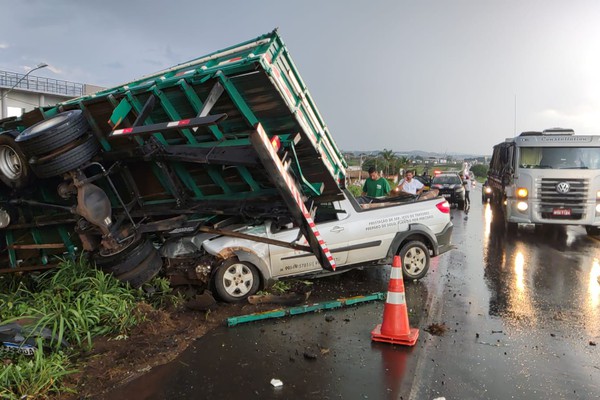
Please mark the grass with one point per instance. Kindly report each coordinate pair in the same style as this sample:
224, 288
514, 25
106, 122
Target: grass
75, 303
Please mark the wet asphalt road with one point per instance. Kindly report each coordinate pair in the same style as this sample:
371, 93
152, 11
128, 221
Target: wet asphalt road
521, 311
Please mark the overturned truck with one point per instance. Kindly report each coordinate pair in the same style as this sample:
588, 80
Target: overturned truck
206, 146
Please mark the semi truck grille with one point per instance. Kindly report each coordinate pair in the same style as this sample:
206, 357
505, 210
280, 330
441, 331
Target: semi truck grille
553, 201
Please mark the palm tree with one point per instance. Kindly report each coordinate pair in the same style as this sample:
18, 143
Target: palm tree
402, 162
389, 157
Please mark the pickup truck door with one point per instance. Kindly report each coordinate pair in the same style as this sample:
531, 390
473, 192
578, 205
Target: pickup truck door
285, 261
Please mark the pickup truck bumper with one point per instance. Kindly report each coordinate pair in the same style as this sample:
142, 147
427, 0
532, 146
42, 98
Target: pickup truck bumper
443, 240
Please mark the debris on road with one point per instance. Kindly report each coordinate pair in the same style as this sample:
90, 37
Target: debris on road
276, 383
288, 299
202, 302
437, 329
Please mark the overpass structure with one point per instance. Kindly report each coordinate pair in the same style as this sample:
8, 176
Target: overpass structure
20, 93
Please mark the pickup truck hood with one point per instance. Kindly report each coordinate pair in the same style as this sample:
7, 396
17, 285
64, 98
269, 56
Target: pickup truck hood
210, 242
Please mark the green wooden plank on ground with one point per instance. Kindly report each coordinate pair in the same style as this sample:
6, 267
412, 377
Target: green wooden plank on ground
282, 312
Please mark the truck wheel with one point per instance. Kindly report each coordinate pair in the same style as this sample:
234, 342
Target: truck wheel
236, 280
14, 170
53, 133
512, 227
592, 230
415, 259
67, 161
144, 272
126, 260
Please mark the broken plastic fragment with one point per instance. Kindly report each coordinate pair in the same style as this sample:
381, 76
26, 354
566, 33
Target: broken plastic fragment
276, 383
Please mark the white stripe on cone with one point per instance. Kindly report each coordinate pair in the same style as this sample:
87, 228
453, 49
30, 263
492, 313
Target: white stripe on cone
396, 273
395, 298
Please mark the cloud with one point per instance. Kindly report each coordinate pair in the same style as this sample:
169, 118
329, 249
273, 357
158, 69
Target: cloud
3, 46
56, 70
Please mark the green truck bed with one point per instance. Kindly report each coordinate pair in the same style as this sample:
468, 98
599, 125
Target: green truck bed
175, 151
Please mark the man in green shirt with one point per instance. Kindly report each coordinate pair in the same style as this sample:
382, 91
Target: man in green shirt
375, 186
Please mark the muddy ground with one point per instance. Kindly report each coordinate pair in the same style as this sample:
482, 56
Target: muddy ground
166, 333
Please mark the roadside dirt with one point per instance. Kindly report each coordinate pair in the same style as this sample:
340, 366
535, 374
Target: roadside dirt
166, 333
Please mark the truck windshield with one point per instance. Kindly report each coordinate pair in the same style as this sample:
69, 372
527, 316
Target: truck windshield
559, 157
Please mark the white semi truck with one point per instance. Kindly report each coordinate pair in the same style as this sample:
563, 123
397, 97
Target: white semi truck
549, 177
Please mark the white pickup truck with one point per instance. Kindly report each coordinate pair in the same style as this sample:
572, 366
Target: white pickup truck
357, 235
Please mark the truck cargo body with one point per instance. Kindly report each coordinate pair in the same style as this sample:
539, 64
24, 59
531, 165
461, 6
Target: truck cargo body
115, 172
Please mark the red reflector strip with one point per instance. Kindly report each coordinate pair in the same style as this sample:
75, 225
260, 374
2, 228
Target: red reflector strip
178, 123
122, 131
234, 59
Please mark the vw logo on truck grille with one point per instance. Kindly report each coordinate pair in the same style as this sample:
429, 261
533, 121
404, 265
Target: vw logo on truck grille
563, 187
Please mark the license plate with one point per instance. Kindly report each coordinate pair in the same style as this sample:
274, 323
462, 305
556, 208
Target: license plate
446, 195
561, 211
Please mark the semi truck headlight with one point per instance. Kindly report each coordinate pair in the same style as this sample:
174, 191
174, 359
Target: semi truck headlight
522, 206
522, 193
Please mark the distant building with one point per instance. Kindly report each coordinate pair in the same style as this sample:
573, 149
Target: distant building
20, 93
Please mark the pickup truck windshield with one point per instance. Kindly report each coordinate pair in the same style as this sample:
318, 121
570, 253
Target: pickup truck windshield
560, 157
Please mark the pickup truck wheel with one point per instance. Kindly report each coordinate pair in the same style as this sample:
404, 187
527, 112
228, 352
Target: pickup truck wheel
67, 161
592, 230
14, 170
415, 260
236, 280
52, 133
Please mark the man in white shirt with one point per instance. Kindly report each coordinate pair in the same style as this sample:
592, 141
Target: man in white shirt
409, 185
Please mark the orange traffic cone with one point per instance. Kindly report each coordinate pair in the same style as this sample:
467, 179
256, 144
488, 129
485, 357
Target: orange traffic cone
395, 327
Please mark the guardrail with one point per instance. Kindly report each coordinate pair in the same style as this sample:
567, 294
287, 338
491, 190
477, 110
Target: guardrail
38, 84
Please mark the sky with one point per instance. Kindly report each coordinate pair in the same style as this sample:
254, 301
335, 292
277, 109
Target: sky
447, 76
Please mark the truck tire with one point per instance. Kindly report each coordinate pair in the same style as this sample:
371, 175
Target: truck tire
14, 169
126, 260
67, 161
53, 133
592, 230
512, 227
235, 280
415, 259
144, 272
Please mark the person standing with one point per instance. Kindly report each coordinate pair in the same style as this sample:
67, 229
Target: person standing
375, 186
467, 184
409, 184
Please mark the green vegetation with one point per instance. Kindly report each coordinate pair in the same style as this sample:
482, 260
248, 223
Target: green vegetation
75, 303
480, 171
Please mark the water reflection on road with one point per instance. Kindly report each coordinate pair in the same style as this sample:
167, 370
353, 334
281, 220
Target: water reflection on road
541, 272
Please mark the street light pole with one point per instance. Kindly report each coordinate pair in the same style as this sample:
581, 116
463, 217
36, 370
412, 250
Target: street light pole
39, 66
